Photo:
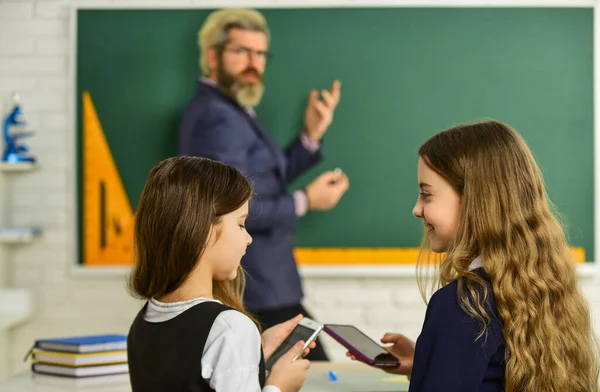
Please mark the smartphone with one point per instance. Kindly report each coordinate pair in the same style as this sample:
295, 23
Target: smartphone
307, 330
361, 346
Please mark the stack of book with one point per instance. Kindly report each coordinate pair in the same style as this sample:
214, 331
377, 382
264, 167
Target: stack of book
81, 356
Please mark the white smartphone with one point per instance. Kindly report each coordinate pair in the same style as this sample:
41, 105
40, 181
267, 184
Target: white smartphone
307, 330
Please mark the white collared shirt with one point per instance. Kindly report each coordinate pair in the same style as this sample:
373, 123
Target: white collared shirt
476, 264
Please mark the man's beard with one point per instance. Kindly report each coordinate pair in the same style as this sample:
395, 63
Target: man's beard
244, 93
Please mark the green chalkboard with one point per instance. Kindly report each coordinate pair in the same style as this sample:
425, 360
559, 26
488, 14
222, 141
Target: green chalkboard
406, 73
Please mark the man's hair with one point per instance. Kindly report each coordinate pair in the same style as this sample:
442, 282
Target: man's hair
215, 31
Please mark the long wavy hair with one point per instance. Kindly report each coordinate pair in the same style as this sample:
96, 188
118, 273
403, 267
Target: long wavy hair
183, 199
507, 219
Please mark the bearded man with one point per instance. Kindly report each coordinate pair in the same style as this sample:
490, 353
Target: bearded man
220, 123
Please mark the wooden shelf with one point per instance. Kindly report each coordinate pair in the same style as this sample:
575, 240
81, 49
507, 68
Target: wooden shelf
9, 235
17, 167
16, 305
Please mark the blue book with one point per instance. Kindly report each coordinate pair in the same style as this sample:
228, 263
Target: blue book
84, 344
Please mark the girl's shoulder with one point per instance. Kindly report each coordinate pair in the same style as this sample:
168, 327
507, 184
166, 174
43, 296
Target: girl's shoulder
447, 298
445, 313
233, 331
235, 320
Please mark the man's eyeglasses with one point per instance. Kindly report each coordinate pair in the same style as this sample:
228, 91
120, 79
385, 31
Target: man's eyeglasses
244, 51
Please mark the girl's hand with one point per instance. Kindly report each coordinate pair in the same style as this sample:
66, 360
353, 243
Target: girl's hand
289, 375
402, 348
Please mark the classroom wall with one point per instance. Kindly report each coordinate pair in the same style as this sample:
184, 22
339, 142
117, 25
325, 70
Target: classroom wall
35, 56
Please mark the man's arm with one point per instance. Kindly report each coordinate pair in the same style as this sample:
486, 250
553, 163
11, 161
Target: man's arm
301, 154
306, 150
216, 135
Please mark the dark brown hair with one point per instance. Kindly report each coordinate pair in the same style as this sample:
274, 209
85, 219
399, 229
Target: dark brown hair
182, 199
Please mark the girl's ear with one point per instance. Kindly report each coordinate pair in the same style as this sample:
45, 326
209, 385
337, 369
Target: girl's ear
213, 234
211, 240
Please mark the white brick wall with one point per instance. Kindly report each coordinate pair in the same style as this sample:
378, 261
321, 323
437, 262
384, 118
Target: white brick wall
34, 56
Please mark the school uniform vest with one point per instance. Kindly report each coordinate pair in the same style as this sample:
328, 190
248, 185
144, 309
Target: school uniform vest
167, 356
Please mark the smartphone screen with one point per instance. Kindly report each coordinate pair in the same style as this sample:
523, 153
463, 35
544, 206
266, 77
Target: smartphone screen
299, 333
358, 340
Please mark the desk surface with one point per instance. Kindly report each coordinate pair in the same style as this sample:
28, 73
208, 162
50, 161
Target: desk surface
352, 377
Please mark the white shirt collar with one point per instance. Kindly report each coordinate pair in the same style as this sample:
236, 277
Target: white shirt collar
476, 264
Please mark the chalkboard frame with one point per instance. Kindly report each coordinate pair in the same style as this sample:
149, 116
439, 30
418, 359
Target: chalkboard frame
72, 90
